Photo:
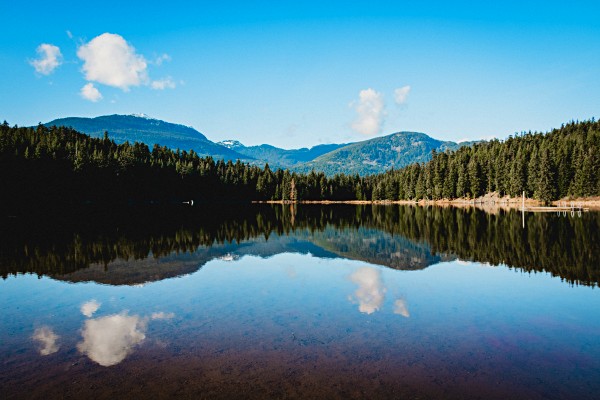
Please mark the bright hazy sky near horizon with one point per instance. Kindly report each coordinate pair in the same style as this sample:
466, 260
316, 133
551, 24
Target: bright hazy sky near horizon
298, 74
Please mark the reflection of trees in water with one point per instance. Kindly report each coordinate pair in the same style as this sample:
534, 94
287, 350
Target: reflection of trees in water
566, 247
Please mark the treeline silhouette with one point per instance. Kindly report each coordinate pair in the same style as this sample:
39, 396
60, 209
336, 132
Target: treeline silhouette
57, 167
567, 247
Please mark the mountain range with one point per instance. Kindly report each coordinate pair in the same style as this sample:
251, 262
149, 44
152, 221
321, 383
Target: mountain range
141, 128
366, 157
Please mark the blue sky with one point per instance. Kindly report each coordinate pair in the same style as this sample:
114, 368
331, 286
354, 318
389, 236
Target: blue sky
298, 74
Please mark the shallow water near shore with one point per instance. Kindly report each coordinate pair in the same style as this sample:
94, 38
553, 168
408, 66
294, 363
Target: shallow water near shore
334, 302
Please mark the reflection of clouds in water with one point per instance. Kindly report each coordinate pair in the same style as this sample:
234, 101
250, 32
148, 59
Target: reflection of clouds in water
46, 338
162, 315
371, 291
401, 308
88, 309
108, 340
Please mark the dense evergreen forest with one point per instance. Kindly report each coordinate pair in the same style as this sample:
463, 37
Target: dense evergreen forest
379, 234
564, 162
57, 166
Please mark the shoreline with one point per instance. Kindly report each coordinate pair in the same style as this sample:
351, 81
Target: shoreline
488, 201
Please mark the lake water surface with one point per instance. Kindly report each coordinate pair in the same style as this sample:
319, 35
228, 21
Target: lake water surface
301, 302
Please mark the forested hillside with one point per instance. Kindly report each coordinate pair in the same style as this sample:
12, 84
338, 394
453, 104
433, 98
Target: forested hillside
58, 166
379, 154
563, 162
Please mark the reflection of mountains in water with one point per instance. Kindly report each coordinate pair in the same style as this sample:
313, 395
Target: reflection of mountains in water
368, 245
148, 245
377, 247
150, 269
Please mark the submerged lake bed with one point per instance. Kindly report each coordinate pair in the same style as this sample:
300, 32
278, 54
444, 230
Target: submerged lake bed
308, 301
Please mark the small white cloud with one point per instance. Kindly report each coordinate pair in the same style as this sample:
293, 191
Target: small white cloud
162, 58
370, 110
110, 60
161, 84
46, 339
49, 59
108, 340
371, 290
401, 94
162, 315
90, 92
69, 34
401, 308
89, 308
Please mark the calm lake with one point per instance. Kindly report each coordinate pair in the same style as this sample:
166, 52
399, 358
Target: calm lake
303, 301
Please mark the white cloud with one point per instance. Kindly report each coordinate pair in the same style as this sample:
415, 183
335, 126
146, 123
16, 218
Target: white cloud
69, 34
89, 308
401, 94
162, 58
110, 60
90, 92
371, 291
46, 338
161, 84
370, 110
108, 340
49, 59
401, 308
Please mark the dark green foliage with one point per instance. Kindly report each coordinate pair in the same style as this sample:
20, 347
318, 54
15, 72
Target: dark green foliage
58, 166
545, 189
561, 163
517, 175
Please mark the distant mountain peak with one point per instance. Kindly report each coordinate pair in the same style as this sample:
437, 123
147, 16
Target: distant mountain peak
231, 144
379, 154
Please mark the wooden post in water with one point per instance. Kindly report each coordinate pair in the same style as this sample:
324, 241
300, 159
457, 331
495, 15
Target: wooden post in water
523, 209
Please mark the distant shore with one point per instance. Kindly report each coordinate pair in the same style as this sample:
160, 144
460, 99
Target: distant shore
491, 200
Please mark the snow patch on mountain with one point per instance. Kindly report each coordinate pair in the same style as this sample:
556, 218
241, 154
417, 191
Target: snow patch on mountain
142, 115
231, 144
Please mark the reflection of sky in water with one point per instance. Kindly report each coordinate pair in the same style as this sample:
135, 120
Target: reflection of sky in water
292, 302
46, 339
401, 308
371, 291
108, 340
89, 308
162, 315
